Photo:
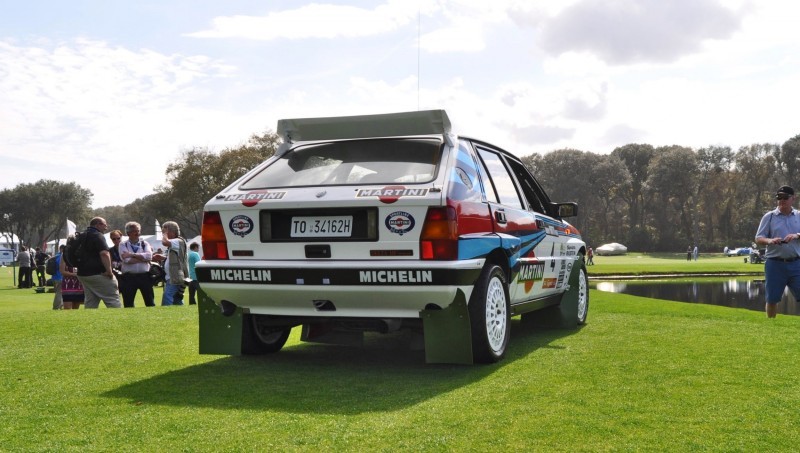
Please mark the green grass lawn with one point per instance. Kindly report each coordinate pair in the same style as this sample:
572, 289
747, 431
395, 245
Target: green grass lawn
671, 263
642, 375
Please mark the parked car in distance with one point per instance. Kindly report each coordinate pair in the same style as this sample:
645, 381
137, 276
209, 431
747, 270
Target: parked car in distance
741, 251
383, 223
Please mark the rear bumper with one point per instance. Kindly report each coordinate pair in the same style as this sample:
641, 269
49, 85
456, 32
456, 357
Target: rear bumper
369, 289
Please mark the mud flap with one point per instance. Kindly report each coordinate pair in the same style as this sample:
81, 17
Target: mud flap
218, 334
448, 335
565, 314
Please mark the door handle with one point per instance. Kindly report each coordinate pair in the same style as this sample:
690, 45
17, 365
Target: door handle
500, 216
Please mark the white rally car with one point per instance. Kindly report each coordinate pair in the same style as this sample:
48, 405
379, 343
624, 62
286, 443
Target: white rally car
385, 222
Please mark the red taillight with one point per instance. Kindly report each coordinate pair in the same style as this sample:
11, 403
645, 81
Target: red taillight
215, 246
439, 238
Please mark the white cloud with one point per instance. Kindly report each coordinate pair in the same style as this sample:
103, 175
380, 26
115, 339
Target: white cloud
632, 31
464, 36
105, 117
322, 21
659, 75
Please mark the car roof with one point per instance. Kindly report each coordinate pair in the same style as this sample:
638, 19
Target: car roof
424, 122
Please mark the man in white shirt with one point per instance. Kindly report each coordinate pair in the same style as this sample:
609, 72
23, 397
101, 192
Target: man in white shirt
136, 256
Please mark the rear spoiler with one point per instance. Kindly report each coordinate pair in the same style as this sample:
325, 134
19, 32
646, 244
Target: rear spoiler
425, 122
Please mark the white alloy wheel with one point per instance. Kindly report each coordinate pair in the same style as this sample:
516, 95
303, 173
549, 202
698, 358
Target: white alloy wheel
583, 296
489, 316
496, 315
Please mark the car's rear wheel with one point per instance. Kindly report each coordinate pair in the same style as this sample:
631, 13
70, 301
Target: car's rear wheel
489, 315
261, 339
583, 296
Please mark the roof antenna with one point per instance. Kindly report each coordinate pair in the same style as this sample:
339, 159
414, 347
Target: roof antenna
419, 20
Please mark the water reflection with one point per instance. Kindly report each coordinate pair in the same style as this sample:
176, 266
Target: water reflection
733, 293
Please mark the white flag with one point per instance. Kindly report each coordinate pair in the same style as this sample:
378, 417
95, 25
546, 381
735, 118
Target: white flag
70, 227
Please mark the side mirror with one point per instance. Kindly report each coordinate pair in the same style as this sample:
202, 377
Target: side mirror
567, 210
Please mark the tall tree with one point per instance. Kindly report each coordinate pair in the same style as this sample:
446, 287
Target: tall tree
564, 174
611, 181
12, 215
759, 168
788, 160
38, 212
199, 174
636, 158
673, 180
714, 194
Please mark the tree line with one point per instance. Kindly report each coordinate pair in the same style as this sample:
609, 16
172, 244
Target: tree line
648, 198
671, 197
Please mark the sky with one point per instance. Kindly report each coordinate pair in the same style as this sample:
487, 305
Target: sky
107, 93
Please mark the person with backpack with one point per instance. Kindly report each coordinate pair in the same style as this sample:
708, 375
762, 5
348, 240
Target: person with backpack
53, 266
176, 264
136, 255
94, 270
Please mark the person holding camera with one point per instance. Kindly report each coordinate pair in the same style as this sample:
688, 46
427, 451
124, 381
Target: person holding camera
176, 264
779, 230
136, 255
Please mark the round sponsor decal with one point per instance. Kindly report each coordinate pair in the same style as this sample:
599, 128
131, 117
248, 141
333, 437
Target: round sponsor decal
241, 225
400, 222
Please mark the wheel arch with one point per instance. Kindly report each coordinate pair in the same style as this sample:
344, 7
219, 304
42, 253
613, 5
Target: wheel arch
500, 258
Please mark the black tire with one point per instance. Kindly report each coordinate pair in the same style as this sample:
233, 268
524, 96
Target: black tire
583, 295
258, 339
489, 315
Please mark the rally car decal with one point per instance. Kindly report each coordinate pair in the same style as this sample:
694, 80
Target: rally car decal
349, 277
252, 198
241, 225
400, 222
391, 194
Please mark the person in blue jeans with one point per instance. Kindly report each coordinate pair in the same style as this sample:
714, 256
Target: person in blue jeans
58, 300
176, 264
194, 257
779, 230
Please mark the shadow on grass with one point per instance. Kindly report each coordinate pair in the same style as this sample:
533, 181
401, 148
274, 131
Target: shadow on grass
309, 378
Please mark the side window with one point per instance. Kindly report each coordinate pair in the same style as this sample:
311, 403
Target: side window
464, 181
491, 194
501, 179
530, 188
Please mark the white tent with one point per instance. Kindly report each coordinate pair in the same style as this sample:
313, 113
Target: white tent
9, 241
153, 239
51, 247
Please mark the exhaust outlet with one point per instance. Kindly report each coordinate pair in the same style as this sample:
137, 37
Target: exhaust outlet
323, 305
228, 308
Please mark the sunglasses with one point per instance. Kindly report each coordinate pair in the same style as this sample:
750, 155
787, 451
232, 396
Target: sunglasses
115, 239
782, 197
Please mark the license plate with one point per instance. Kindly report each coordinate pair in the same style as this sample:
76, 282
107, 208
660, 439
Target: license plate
322, 226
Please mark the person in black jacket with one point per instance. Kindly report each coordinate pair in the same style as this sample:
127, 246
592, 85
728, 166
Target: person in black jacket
41, 260
95, 272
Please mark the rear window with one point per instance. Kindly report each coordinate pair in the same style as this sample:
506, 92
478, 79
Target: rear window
380, 161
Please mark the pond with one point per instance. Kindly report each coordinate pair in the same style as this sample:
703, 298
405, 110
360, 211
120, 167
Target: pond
729, 292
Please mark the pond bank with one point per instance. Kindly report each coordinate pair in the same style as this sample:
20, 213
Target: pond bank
676, 275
